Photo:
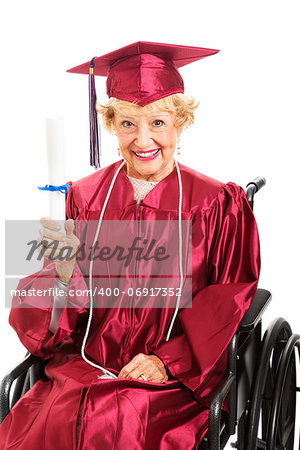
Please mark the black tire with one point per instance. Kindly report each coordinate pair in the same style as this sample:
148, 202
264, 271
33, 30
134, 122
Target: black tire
274, 342
282, 419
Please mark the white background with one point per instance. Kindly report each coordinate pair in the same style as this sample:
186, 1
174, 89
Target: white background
247, 123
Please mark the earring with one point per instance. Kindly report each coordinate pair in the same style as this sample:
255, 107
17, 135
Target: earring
178, 146
119, 152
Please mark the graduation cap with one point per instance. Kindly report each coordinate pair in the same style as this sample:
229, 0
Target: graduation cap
140, 73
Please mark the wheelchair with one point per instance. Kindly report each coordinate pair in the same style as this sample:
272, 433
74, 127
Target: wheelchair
260, 386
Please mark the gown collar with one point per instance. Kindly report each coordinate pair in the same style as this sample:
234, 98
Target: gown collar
160, 194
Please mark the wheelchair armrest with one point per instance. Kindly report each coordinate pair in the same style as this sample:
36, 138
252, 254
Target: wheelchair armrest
253, 315
19, 371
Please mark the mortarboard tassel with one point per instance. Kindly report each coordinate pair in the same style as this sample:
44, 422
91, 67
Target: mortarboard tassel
94, 135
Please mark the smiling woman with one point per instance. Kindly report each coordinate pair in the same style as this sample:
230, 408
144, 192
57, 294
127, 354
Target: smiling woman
139, 375
147, 135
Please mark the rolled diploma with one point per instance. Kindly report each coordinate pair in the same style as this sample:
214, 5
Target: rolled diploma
56, 165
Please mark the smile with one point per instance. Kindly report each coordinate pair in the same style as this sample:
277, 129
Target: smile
146, 156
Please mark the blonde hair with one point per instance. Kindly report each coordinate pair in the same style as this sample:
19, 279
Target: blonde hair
180, 105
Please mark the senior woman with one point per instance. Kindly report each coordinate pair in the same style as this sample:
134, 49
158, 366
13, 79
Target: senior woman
134, 375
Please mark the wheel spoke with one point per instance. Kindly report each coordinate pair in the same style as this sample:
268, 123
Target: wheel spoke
279, 434
288, 429
261, 444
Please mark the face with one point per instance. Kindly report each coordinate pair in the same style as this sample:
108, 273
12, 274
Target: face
147, 141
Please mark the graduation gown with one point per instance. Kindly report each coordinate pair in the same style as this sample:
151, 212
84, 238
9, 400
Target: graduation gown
127, 413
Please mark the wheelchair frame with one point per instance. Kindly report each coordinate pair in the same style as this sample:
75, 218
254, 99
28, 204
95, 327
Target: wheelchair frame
260, 384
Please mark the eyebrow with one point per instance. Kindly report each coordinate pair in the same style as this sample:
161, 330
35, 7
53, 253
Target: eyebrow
163, 114
125, 117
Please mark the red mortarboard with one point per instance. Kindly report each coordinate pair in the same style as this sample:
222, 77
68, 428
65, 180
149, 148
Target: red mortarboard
140, 73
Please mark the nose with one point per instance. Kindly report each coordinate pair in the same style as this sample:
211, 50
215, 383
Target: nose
143, 136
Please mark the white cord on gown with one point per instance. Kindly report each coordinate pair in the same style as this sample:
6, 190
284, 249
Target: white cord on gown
180, 253
107, 373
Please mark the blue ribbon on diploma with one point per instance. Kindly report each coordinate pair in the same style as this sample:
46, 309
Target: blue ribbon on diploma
64, 188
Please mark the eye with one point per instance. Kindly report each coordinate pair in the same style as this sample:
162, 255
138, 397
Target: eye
158, 123
127, 124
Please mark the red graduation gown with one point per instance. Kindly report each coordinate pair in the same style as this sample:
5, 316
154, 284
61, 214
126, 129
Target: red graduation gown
137, 414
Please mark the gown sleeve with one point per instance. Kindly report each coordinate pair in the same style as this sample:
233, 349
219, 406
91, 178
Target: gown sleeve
30, 315
233, 265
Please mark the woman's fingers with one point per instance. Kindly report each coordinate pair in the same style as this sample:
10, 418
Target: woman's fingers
47, 233
47, 222
57, 248
53, 241
59, 244
51, 231
146, 367
126, 370
50, 234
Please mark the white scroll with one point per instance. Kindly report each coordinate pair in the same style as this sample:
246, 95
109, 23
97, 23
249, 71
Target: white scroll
56, 165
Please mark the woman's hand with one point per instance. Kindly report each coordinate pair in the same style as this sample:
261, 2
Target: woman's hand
148, 367
51, 232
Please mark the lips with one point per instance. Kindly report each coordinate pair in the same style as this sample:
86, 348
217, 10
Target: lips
148, 155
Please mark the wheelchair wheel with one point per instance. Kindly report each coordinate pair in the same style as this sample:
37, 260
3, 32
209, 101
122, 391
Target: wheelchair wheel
263, 389
282, 418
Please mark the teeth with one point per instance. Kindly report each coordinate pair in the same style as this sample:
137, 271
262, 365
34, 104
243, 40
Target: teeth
147, 154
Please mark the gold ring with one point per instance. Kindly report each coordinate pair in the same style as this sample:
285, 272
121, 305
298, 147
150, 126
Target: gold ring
143, 378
